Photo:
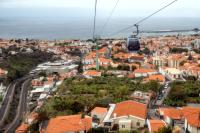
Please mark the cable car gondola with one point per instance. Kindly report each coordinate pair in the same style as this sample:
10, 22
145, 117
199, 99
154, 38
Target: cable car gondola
133, 43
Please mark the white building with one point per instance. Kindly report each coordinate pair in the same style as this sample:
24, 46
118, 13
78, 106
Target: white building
159, 61
171, 73
127, 115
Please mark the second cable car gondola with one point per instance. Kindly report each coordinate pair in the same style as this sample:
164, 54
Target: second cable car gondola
133, 42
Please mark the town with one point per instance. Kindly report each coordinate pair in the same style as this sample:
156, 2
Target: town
78, 86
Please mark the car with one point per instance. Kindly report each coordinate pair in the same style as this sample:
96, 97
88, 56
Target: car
159, 97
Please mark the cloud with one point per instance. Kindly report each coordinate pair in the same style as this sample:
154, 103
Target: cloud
125, 7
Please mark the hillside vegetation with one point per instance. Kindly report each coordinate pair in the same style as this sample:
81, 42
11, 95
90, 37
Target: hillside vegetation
79, 95
183, 93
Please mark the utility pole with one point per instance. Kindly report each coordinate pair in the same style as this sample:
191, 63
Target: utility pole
97, 57
94, 37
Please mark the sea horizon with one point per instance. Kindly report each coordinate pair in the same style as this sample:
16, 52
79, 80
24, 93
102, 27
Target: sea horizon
60, 28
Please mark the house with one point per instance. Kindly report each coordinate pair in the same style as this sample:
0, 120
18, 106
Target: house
40, 90
37, 82
191, 69
71, 73
192, 119
90, 59
143, 97
91, 73
142, 72
23, 128
105, 62
3, 72
171, 115
158, 77
98, 114
103, 51
69, 124
87, 67
171, 73
159, 61
122, 56
126, 115
155, 125
136, 58
175, 60
32, 118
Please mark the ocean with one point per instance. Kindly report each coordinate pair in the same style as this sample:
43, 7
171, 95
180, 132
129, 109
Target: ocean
51, 28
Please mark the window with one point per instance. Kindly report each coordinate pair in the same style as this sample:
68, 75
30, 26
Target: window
138, 124
123, 126
95, 116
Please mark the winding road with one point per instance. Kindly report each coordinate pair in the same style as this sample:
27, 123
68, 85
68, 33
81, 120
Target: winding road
21, 107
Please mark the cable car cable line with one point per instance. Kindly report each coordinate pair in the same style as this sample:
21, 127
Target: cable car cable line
144, 19
109, 17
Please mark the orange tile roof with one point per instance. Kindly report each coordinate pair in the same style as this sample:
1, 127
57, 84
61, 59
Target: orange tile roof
122, 55
23, 128
143, 70
104, 60
155, 125
91, 55
176, 57
33, 116
103, 50
192, 115
72, 123
131, 75
99, 110
92, 73
157, 77
172, 113
130, 108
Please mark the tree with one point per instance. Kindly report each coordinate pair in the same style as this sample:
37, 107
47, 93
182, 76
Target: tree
80, 67
98, 130
146, 51
1, 98
104, 102
59, 104
153, 85
178, 50
34, 128
124, 67
133, 68
121, 92
191, 78
77, 106
43, 74
165, 130
182, 63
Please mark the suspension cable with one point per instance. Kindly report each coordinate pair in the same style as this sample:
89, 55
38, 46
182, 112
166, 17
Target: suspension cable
94, 26
108, 19
142, 20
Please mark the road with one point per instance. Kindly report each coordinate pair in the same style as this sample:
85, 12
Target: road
21, 107
160, 102
8, 99
6, 102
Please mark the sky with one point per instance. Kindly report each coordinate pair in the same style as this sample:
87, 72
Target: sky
84, 8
